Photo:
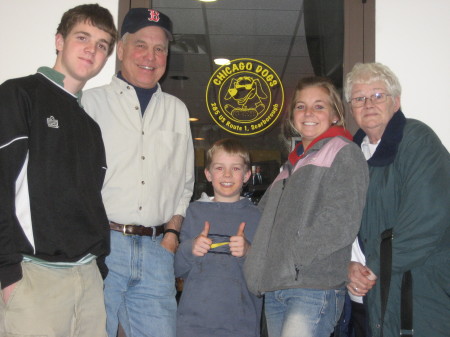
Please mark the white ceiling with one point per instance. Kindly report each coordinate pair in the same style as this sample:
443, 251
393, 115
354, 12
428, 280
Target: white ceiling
271, 31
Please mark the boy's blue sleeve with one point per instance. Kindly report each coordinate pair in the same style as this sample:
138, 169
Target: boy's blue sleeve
184, 258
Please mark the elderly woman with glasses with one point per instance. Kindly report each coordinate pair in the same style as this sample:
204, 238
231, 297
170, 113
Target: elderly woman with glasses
405, 229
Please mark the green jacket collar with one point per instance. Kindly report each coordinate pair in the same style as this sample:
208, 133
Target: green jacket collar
58, 78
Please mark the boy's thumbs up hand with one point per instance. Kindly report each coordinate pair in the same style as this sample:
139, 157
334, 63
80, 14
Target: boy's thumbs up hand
205, 230
238, 243
202, 243
240, 231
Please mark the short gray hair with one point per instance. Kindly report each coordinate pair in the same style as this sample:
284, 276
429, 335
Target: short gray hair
125, 37
366, 73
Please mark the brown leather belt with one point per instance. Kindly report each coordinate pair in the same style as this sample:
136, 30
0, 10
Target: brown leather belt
136, 229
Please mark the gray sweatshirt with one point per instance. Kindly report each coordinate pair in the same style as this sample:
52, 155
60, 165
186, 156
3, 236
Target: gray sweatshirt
311, 215
215, 300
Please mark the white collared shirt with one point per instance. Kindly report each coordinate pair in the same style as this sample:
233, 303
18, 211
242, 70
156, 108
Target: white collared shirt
150, 156
368, 150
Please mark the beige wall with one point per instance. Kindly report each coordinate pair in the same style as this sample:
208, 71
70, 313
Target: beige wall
412, 38
27, 37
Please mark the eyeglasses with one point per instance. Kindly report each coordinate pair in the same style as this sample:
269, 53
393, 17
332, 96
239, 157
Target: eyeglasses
376, 98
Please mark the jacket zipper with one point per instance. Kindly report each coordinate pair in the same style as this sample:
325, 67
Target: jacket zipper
297, 270
275, 216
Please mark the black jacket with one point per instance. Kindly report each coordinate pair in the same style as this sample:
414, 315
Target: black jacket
53, 151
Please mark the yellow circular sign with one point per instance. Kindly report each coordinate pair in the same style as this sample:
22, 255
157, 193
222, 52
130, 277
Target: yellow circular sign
245, 97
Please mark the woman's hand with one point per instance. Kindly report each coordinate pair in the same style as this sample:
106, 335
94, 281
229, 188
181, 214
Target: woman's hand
361, 278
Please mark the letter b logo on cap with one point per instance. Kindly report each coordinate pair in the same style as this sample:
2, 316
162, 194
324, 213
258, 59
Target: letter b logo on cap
154, 15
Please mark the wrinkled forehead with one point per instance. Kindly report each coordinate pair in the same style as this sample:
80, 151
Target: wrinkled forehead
369, 85
150, 35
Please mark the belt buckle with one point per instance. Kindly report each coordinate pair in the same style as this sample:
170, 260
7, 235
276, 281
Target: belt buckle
124, 230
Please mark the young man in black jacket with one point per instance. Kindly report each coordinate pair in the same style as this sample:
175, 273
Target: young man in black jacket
54, 233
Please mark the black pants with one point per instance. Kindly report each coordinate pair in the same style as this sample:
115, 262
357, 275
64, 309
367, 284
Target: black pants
359, 323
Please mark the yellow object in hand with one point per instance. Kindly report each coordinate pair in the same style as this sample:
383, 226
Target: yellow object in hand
215, 245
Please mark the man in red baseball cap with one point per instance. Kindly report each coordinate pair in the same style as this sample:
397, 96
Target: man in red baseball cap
149, 181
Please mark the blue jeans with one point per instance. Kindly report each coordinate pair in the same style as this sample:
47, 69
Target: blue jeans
140, 287
303, 312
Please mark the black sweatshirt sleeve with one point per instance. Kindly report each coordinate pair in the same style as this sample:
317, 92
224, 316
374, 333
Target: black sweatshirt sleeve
13, 152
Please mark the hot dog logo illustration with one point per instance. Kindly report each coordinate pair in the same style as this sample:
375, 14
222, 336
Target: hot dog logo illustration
245, 97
